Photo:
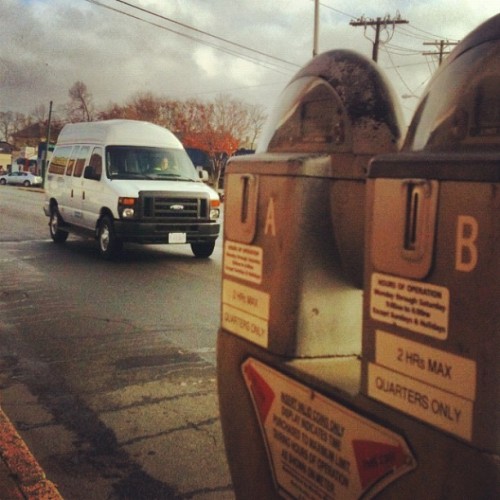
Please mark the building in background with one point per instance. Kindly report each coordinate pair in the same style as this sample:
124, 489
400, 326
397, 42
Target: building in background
6, 150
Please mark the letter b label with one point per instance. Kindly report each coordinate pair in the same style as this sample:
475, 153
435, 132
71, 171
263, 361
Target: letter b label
466, 250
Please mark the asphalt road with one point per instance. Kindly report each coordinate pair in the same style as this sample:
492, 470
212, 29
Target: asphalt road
107, 370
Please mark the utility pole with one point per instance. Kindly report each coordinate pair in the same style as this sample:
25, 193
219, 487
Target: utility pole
378, 24
316, 27
47, 143
442, 45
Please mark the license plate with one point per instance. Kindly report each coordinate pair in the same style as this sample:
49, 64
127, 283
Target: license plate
177, 237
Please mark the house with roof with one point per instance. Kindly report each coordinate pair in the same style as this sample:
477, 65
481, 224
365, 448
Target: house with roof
6, 150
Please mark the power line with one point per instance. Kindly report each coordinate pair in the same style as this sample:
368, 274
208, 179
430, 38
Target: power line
206, 33
404, 31
403, 49
247, 57
426, 32
337, 10
394, 67
232, 89
401, 65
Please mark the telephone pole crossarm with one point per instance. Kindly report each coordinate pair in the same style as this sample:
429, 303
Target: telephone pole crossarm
441, 46
378, 24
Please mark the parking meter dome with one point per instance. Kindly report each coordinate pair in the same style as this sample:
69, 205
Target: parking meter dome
339, 102
460, 108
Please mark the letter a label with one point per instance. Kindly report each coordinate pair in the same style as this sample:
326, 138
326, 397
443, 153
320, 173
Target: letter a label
270, 219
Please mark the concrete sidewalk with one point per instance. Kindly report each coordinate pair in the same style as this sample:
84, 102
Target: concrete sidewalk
21, 477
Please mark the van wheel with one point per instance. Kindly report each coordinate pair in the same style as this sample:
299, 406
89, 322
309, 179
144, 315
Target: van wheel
109, 245
26, 183
203, 250
57, 235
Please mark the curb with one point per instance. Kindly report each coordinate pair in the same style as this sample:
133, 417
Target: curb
25, 478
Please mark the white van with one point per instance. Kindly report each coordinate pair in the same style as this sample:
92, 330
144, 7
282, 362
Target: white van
128, 181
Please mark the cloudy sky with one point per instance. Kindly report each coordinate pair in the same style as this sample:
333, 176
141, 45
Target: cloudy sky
202, 48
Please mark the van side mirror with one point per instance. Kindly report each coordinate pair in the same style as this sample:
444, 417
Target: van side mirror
203, 174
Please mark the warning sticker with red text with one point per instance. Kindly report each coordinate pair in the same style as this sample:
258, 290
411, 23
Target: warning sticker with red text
319, 449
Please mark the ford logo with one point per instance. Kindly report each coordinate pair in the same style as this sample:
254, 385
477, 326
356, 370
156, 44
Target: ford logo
177, 207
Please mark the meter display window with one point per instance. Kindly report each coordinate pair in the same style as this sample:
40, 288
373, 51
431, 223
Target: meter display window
487, 109
462, 108
310, 118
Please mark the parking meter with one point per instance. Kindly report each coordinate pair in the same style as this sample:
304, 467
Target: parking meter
358, 355
432, 288
289, 345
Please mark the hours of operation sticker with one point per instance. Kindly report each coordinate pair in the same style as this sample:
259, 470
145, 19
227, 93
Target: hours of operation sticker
243, 261
414, 305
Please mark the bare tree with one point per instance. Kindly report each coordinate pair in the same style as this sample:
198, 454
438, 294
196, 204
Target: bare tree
256, 118
80, 106
242, 121
230, 116
40, 114
6, 119
10, 123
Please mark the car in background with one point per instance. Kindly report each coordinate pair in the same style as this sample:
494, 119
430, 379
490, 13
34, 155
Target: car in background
21, 178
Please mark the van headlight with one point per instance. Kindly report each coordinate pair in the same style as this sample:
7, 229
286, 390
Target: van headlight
127, 207
128, 213
214, 209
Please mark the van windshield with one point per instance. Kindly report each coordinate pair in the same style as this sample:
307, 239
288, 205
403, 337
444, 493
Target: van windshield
140, 162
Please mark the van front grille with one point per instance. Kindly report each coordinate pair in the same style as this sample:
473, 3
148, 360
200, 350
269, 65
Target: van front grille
174, 207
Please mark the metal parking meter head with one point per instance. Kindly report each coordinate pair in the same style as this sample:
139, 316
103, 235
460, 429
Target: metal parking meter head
298, 206
460, 108
339, 102
341, 105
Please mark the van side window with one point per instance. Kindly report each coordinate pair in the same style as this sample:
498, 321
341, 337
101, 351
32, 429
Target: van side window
80, 162
59, 160
72, 160
96, 165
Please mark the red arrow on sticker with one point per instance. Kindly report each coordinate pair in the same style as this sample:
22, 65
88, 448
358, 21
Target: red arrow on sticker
375, 460
263, 395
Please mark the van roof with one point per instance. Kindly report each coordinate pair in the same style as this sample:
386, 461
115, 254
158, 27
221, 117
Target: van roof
118, 132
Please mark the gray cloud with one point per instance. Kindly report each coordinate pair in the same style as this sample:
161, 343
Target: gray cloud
50, 44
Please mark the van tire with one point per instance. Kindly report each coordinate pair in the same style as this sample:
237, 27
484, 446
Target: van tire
109, 245
203, 250
57, 235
